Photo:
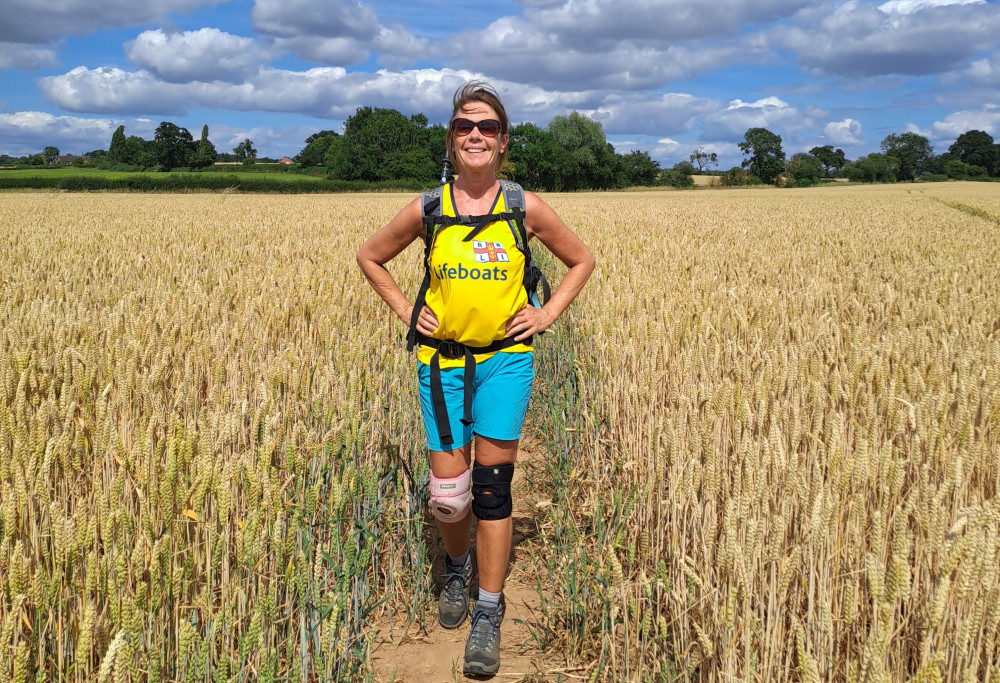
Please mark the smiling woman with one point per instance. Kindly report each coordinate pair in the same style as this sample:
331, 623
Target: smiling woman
473, 324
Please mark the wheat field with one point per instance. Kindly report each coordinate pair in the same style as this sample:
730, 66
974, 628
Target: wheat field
772, 423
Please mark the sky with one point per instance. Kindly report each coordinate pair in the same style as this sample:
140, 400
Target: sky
663, 76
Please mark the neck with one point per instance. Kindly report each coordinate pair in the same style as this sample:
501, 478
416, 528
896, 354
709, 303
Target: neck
476, 184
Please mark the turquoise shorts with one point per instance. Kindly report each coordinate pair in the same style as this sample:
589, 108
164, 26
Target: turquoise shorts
501, 390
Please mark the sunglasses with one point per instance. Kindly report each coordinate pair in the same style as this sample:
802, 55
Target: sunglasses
488, 127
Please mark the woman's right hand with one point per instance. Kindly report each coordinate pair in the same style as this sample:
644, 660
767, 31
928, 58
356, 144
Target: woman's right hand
427, 322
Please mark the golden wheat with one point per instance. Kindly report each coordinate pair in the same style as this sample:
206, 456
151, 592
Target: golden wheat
780, 437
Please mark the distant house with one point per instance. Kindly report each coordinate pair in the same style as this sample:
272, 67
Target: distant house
70, 158
285, 160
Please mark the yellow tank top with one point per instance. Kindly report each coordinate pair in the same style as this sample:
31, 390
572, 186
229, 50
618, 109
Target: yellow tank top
475, 286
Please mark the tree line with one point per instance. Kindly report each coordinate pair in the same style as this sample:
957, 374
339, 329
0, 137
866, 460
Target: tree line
571, 153
904, 156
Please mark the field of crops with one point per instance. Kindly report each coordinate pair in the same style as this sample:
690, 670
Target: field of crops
772, 421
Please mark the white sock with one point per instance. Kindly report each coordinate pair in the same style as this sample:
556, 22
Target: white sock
487, 599
457, 562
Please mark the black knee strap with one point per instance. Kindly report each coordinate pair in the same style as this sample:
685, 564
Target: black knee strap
491, 491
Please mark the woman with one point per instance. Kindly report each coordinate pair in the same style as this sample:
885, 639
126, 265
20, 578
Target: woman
475, 364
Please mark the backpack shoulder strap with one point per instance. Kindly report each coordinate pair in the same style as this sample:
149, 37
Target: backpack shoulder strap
513, 201
430, 208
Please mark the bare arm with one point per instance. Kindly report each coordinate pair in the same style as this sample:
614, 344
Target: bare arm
384, 246
542, 222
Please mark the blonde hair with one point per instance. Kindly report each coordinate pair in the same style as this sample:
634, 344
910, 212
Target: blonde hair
479, 91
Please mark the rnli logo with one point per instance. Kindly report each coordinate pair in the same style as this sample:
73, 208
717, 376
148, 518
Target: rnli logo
489, 252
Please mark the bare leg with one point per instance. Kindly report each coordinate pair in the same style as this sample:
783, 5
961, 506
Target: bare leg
493, 537
449, 464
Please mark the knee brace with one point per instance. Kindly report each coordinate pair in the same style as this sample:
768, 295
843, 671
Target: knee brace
450, 497
491, 491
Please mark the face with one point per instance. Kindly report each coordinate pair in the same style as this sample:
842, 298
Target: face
475, 151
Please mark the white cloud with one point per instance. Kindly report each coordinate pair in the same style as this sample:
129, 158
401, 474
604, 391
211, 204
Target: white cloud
35, 21
108, 90
986, 119
911, 6
533, 52
595, 25
769, 112
329, 92
985, 72
25, 56
337, 32
846, 132
908, 37
27, 132
207, 54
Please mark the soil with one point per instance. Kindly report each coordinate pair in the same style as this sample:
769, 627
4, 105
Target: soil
418, 656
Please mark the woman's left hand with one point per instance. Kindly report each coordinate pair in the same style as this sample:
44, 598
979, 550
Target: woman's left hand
528, 321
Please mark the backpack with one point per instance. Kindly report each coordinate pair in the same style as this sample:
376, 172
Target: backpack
434, 221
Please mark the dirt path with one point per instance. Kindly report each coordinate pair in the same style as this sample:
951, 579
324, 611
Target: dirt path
414, 657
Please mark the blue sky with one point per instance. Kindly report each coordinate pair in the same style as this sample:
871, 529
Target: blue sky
665, 76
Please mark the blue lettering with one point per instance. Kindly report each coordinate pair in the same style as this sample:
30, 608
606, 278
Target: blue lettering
462, 272
451, 273
474, 274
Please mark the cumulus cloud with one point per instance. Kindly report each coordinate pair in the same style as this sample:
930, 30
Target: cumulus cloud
337, 32
25, 56
661, 115
27, 132
599, 26
31, 21
985, 119
734, 120
985, 72
329, 92
908, 37
207, 54
533, 51
846, 132
911, 6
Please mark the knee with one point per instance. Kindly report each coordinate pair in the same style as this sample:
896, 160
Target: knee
491, 491
451, 498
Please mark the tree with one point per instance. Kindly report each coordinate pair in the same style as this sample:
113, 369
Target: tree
51, 154
638, 168
383, 144
204, 154
245, 152
536, 158
174, 145
976, 148
703, 159
804, 169
117, 149
874, 168
911, 151
767, 160
829, 158
317, 145
593, 164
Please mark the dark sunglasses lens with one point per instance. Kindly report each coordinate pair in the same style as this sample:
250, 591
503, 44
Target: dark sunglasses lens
463, 126
489, 128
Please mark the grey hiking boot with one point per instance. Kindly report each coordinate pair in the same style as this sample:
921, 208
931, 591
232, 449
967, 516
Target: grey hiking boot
482, 649
453, 603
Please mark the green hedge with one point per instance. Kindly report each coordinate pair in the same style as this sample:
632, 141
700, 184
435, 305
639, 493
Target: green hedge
208, 182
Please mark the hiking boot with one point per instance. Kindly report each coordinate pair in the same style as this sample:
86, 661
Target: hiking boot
482, 649
453, 603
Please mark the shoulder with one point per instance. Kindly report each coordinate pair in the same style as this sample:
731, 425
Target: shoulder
539, 217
